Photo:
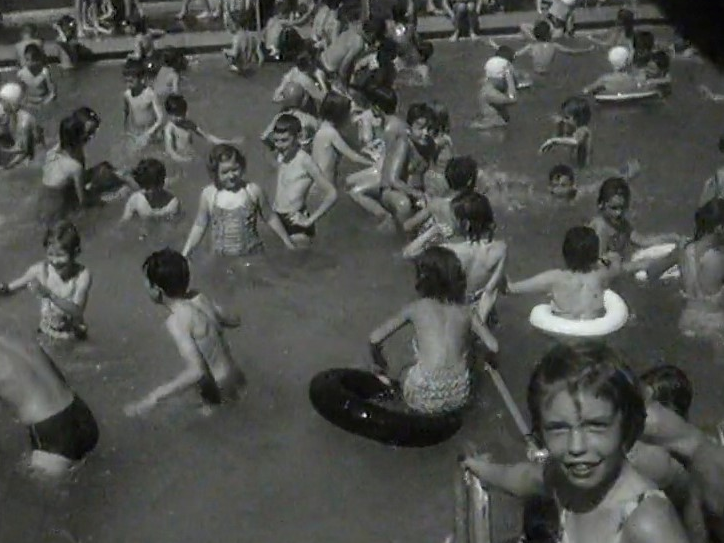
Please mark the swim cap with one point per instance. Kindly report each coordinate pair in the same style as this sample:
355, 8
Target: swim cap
496, 67
618, 57
11, 94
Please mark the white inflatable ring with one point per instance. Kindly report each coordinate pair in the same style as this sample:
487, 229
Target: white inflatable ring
542, 317
610, 98
653, 253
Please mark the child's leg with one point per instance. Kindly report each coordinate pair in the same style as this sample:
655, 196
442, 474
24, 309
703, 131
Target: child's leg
49, 465
399, 203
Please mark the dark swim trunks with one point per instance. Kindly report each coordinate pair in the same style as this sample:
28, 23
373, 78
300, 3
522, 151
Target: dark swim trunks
72, 433
292, 228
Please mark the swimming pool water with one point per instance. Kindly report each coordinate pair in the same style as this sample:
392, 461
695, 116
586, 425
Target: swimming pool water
269, 469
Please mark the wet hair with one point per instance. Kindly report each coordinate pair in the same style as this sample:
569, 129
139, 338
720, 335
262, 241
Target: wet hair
419, 110
474, 214
287, 123
305, 60
542, 31
375, 28
708, 218
441, 116
134, 68
335, 108
382, 98
440, 276
506, 52
564, 170
87, 115
169, 271
29, 29
593, 368
71, 133
612, 187
670, 387
578, 109
662, 61
625, 19
223, 153
34, 51
581, 248
461, 173
65, 235
150, 174
643, 45
176, 105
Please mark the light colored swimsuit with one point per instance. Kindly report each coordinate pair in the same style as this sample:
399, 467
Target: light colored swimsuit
54, 322
233, 230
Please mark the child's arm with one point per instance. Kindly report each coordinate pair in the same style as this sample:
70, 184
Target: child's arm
418, 245
597, 86
479, 321
526, 49
214, 140
33, 273
708, 93
543, 282
523, 480
348, 152
656, 268
225, 318
130, 209
74, 307
327, 188
649, 240
570, 141
385, 330
78, 184
393, 166
417, 220
200, 224
266, 135
572, 50
158, 111
52, 90
169, 140
497, 278
608, 41
270, 216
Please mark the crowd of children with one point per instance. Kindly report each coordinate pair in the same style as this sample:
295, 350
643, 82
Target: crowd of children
588, 410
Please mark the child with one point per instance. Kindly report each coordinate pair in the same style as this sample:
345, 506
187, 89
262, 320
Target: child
142, 113
245, 47
656, 74
20, 133
376, 68
643, 47
232, 206
301, 74
412, 53
562, 182
179, 131
152, 201
464, 17
587, 410
714, 186
296, 175
461, 174
615, 232
280, 38
620, 80
498, 91
168, 77
144, 49
35, 77
439, 381
28, 35
572, 131
69, 50
434, 181
292, 101
62, 429
328, 144
196, 325
61, 283
577, 290
622, 34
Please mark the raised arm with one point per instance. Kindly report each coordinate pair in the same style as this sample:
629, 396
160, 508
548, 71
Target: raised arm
543, 282
523, 480
325, 185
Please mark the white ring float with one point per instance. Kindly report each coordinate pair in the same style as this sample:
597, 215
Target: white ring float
654, 253
611, 98
542, 317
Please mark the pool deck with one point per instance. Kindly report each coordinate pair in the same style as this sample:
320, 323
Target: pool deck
200, 38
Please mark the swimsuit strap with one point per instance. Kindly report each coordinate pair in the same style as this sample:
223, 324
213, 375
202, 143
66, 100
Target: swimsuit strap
628, 507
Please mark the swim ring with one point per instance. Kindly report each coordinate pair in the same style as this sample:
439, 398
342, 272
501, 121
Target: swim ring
623, 97
542, 317
655, 252
343, 397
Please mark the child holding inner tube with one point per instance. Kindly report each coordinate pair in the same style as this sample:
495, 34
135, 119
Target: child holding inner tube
439, 381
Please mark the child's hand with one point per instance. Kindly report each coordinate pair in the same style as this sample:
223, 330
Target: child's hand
38, 289
547, 146
378, 358
4, 289
304, 222
138, 409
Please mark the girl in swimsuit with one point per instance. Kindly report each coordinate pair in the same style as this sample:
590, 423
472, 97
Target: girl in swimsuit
572, 131
152, 201
587, 409
232, 207
61, 283
35, 76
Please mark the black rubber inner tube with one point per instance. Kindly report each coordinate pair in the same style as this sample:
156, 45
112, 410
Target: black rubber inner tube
343, 397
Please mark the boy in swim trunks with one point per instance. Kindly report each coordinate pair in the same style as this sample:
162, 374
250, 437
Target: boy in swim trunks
296, 175
196, 325
62, 428
142, 114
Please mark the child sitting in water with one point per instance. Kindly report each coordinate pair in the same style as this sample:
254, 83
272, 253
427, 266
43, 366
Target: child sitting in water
622, 34
615, 232
142, 112
168, 76
196, 325
152, 201
179, 131
302, 74
328, 145
245, 49
61, 283
439, 381
620, 80
292, 102
577, 291
35, 77
562, 182
498, 91
232, 206
572, 131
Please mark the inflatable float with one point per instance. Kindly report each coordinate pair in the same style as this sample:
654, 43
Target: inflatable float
654, 253
345, 398
626, 97
543, 318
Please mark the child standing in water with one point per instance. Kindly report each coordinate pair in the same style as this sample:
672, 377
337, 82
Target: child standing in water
498, 91
196, 325
142, 113
61, 283
577, 291
296, 175
439, 381
620, 79
168, 77
232, 206
152, 201
35, 76
328, 145
572, 131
